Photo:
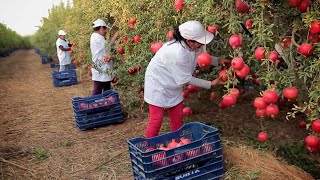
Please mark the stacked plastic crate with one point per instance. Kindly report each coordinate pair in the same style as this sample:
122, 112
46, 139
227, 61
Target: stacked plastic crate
98, 110
64, 78
197, 155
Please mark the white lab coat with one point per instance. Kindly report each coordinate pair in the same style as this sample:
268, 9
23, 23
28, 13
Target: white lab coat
63, 56
98, 51
168, 71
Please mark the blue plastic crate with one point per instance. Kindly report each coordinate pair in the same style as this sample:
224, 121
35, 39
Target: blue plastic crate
99, 110
99, 119
45, 60
64, 82
96, 103
211, 169
205, 144
64, 74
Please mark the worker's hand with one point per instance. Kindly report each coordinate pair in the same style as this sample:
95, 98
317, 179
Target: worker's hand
218, 81
224, 62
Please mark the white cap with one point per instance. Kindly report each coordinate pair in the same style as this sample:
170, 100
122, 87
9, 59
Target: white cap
62, 33
193, 30
99, 22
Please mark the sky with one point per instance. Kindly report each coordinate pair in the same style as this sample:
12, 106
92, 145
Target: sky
23, 16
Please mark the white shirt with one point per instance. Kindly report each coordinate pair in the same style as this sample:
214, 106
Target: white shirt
98, 51
63, 56
170, 69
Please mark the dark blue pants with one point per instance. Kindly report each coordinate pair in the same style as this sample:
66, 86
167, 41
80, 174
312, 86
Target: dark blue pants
99, 87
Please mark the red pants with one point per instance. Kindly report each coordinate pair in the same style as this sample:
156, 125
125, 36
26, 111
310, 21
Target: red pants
156, 117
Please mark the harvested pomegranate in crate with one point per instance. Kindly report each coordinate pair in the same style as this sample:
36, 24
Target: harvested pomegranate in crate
195, 147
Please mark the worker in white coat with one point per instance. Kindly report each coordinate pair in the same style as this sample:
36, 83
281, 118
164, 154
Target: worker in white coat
170, 69
63, 51
102, 63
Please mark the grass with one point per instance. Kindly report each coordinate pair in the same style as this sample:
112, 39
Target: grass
65, 143
40, 154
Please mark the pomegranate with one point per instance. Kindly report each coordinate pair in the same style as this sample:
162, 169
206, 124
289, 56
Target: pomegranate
131, 71
237, 63
221, 106
235, 41
305, 49
235, 92
115, 80
120, 51
244, 72
294, 3
132, 21
302, 124
140, 89
260, 113
185, 93
262, 137
242, 7
270, 96
162, 147
315, 27
89, 68
107, 59
259, 53
172, 144
312, 141
249, 23
192, 88
272, 110
193, 153
213, 96
312, 149
223, 75
214, 29
150, 149
228, 100
124, 40
207, 148
155, 47
75, 62
137, 39
170, 35
316, 126
273, 56
204, 60
304, 6
185, 141
285, 43
255, 82
259, 103
290, 93
187, 111
314, 38
178, 4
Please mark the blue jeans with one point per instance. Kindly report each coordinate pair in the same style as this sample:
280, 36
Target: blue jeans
65, 67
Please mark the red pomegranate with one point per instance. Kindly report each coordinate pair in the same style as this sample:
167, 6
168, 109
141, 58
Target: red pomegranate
290, 93
315, 27
235, 41
259, 53
259, 103
244, 72
237, 63
305, 49
204, 60
155, 47
242, 7
270, 96
272, 110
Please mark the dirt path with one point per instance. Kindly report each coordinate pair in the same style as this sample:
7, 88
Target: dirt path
39, 139
37, 121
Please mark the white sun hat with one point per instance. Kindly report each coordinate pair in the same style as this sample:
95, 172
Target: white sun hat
62, 33
100, 22
193, 30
